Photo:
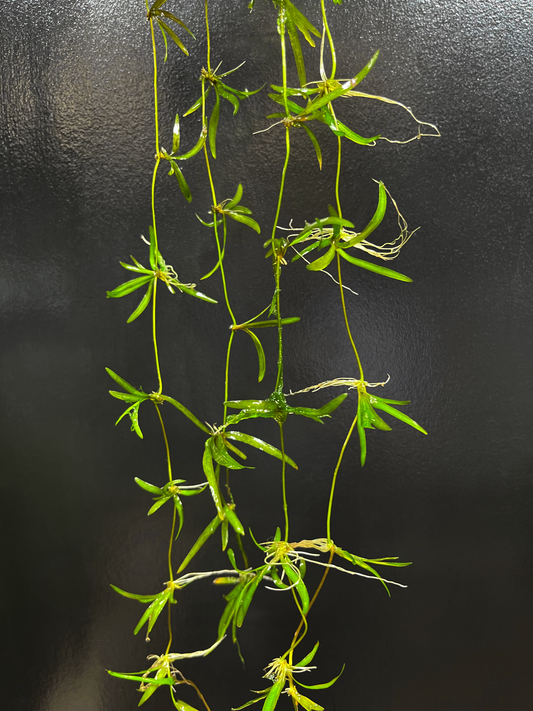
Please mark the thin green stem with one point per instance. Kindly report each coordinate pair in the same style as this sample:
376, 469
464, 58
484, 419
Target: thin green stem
226, 382
338, 177
171, 541
279, 379
330, 40
334, 481
154, 338
283, 481
361, 374
295, 640
208, 40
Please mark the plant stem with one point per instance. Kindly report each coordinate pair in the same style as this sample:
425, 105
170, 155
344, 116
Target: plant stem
330, 40
208, 39
154, 338
226, 383
337, 179
334, 481
283, 482
361, 375
295, 640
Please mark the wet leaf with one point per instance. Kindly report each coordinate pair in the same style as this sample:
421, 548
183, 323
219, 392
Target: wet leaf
176, 170
309, 658
207, 464
374, 222
244, 219
149, 487
259, 444
213, 125
260, 353
186, 412
176, 135
315, 143
323, 261
320, 686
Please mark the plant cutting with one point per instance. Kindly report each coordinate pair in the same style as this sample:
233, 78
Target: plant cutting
278, 563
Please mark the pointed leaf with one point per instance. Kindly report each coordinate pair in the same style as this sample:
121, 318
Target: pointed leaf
213, 125
172, 17
374, 222
197, 294
320, 686
374, 267
377, 402
259, 444
207, 464
143, 304
272, 698
249, 594
124, 384
186, 412
158, 504
234, 101
315, 144
128, 287
176, 135
198, 147
181, 180
202, 538
231, 516
197, 103
296, 50
260, 353
323, 261
140, 598
244, 219
149, 487
236, 198
306, 661
364, 71
173, 36
267, 324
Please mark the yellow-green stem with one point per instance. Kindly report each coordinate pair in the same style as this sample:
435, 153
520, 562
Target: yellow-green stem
337, 179
154, 338
226, 383
330, 40
208, 40
334, 481
283, 482
361, 374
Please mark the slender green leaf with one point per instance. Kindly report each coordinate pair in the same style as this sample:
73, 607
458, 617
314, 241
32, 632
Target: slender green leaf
143, 679
176, 135
197, 294
267, 324
198, 147
160, 674
374, 222
202, 538
311, 247
153, 248
128, 287
253, 701
305, 703
224, 532
323, 261
309, 658
320, 224
144, 302
173, 36
235, 200
172, 17
197, 103
301, 22
320, 686
124, 384
126, 397
374, 267
244, 219
233, 100
179, 508
315, 143
364, 71
158, 504
260, 353
186, 412
213, 125
249, 594
259, 444
181, 180
149, 487
182, 706
231, 516
134, 268
133, 596
207, 463
221, 455
377, 402
296, 50
301, 589
153, 612
272, 698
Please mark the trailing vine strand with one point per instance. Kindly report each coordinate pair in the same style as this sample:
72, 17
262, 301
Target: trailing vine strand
277, 564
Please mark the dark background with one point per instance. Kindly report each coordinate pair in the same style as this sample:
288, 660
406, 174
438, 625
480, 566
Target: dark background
77, 153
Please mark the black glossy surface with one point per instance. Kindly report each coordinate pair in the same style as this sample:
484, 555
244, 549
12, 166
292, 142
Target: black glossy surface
77, 152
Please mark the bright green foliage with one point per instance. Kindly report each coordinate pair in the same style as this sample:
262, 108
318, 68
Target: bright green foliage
277, 564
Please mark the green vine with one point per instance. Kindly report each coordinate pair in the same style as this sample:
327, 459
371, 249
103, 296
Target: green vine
278, 561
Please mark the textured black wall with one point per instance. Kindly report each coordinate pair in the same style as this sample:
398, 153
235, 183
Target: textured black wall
77, 154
